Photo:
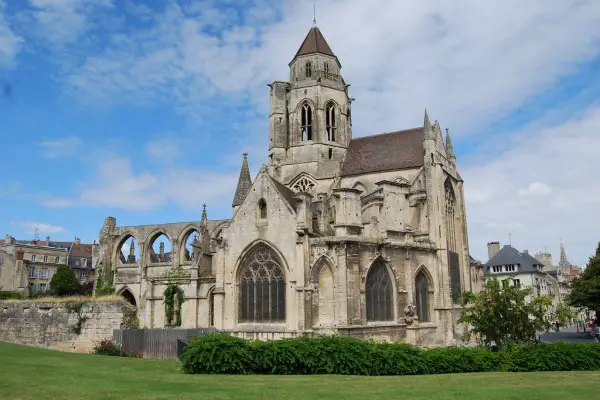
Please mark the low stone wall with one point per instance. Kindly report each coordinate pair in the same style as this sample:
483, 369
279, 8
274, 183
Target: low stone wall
72, 325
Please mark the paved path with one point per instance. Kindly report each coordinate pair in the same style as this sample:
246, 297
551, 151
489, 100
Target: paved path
568, 334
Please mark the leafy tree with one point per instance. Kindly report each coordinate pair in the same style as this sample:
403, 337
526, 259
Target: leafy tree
585, 290
503, 314
103, 288
564, 314
64, 282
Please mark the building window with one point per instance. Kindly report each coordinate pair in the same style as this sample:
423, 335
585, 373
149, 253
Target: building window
211, 309
422, 292
497, 268
33, 258
43, 287
326, 68
81, 276
31, 273
306, 122
44, 273
330, 122
516, 282
379, 294
45, 259
451, 242
57, 260
510, 268
262, 287
308, 67
84, 262
262, 209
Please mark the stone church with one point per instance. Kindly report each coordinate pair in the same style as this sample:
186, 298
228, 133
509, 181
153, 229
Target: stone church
357, 236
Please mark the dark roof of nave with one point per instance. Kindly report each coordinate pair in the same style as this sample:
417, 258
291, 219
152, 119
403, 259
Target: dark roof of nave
285, 192
385, 152
314, 43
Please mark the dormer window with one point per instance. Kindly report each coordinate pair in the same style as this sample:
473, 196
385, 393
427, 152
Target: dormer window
330, 122
497, 268
308, 69
262, 209
306, 122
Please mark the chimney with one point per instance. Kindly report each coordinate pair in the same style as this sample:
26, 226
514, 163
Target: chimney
493, 249
526, 251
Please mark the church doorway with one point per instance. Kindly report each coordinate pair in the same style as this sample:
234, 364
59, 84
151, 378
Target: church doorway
129, 297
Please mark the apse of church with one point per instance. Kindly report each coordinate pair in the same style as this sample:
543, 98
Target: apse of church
358, 236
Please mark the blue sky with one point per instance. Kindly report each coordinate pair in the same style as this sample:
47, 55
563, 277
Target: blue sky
141, 110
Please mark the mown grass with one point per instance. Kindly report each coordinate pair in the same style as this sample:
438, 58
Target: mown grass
31, 373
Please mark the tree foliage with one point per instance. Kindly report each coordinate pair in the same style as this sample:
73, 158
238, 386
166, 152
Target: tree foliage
564, 314
103, 288
585, 290
170, 292
64, 282
502, 314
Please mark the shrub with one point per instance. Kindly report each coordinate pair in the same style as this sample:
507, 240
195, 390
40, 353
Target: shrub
107, 347
6, 295
64, 282
220, 353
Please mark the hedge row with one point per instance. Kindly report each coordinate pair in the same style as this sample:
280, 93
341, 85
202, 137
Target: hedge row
220, 353
6, 295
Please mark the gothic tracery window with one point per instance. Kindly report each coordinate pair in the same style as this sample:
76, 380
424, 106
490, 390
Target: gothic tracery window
451, 242
262, 287
422, 297
306, 122
379, 294
330, 123
303, 185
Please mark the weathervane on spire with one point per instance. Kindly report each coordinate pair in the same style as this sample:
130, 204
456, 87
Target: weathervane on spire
314, 12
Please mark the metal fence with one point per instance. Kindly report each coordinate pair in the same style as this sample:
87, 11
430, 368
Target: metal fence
156, 342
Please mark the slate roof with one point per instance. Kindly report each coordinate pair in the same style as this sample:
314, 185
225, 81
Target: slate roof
385, 152
244, 183
314, 43
509, 255
287, 193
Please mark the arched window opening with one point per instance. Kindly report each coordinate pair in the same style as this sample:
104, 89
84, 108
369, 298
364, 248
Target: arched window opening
422, 297
211, 308
308, 68
451, 241
330, 154
262, 287
330, 123
191, 250
129, 297
379, 294
304, 184
160, 249
129, 251
361, 187
262, 209
326, 306
326, 68
306, 122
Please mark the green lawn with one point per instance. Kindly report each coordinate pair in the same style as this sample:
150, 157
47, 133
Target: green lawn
30, 373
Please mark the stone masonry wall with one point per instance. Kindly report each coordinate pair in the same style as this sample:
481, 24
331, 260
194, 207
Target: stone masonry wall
63, 325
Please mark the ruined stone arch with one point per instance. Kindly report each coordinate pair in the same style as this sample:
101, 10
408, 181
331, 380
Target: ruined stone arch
122, 255
423, 293
128, 295
261, 277
380, 291
186, 253
155, 254
360, 186
322, 276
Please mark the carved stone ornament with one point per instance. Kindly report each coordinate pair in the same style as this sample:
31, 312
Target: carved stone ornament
410, 314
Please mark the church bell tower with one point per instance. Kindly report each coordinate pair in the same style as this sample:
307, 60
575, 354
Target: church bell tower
310, 123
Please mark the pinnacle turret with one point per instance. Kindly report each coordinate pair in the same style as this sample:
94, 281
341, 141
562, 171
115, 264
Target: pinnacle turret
429, 133
449, 148
244, 183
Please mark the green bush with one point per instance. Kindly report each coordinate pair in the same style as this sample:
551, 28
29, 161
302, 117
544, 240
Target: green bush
107, 348
220, 353
6, 295
64, 282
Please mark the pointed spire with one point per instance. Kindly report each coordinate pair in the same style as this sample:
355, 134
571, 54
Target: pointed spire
429, 134
204, 218
438, 133
244, 183
131, 248
563, 255
449, 148
314, 42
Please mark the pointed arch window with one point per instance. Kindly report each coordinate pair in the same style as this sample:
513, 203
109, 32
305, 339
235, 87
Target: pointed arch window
451, 241
306, 122
262, 287
379, 294
330, 123
422, 297
326, 68
262, 209
308, 69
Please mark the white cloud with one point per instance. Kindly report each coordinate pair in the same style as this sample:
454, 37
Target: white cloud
469, 61
536, 189
164, 149
117, 185
41, 227
63, 22
10, 43
59, 148
565, 157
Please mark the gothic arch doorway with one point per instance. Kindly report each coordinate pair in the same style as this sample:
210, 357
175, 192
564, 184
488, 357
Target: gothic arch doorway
129, 297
